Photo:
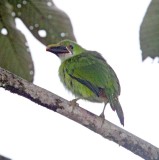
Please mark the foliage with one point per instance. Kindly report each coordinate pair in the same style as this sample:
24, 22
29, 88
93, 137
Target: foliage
149, 31
37, 15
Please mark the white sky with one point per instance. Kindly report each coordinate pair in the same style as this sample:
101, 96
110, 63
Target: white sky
29, 131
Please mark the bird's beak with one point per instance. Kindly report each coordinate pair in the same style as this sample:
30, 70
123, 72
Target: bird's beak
57, 49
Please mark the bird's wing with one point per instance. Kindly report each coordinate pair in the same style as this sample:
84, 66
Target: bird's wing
91, 70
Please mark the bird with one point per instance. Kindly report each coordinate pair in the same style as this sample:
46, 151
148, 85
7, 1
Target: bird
87, 75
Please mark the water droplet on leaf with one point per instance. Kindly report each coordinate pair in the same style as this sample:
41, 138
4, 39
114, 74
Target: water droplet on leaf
63, 34
24, 2
19, 5
36, 25
42, 33
13, 14
49, 4
4, 31
31, 27
31, 72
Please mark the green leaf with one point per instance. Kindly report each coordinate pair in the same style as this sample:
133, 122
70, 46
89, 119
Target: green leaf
46, 22
149, 31
14, 52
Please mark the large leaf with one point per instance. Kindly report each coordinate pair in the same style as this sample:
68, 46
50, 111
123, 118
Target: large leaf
42, 16
14, 52
149, 31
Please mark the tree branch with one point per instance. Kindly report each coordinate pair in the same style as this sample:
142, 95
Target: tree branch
93, 122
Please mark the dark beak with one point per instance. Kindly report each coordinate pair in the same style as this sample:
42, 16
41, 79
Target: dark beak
57, 49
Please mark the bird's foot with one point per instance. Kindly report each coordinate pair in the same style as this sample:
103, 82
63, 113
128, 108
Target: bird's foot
74, 102
102, 115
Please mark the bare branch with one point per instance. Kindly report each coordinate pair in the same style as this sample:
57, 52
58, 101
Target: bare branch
53, 102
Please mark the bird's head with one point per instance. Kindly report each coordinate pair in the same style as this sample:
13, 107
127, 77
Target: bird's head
65, 49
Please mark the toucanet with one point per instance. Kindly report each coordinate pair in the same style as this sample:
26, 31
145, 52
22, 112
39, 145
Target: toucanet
88, 75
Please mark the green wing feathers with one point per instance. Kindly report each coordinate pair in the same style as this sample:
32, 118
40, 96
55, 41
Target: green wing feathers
92, 68
87, 74
90, 73
82, 74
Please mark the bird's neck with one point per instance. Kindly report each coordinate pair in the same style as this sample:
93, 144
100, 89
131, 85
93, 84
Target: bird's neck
63, 57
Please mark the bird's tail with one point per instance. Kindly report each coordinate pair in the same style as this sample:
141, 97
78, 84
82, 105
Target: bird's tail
115, 105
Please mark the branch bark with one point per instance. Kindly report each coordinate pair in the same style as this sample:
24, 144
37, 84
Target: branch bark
93, 122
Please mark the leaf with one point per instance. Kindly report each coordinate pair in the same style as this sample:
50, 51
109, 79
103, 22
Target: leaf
46, 22
14, 52
149, 31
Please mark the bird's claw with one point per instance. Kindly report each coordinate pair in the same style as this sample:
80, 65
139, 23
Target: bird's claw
102, 115
73, 102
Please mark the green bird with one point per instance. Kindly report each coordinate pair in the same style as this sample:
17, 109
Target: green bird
88, 75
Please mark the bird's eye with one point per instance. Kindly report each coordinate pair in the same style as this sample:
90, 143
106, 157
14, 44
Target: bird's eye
71, 46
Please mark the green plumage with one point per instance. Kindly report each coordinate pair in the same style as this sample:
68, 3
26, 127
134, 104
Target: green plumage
87, 75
